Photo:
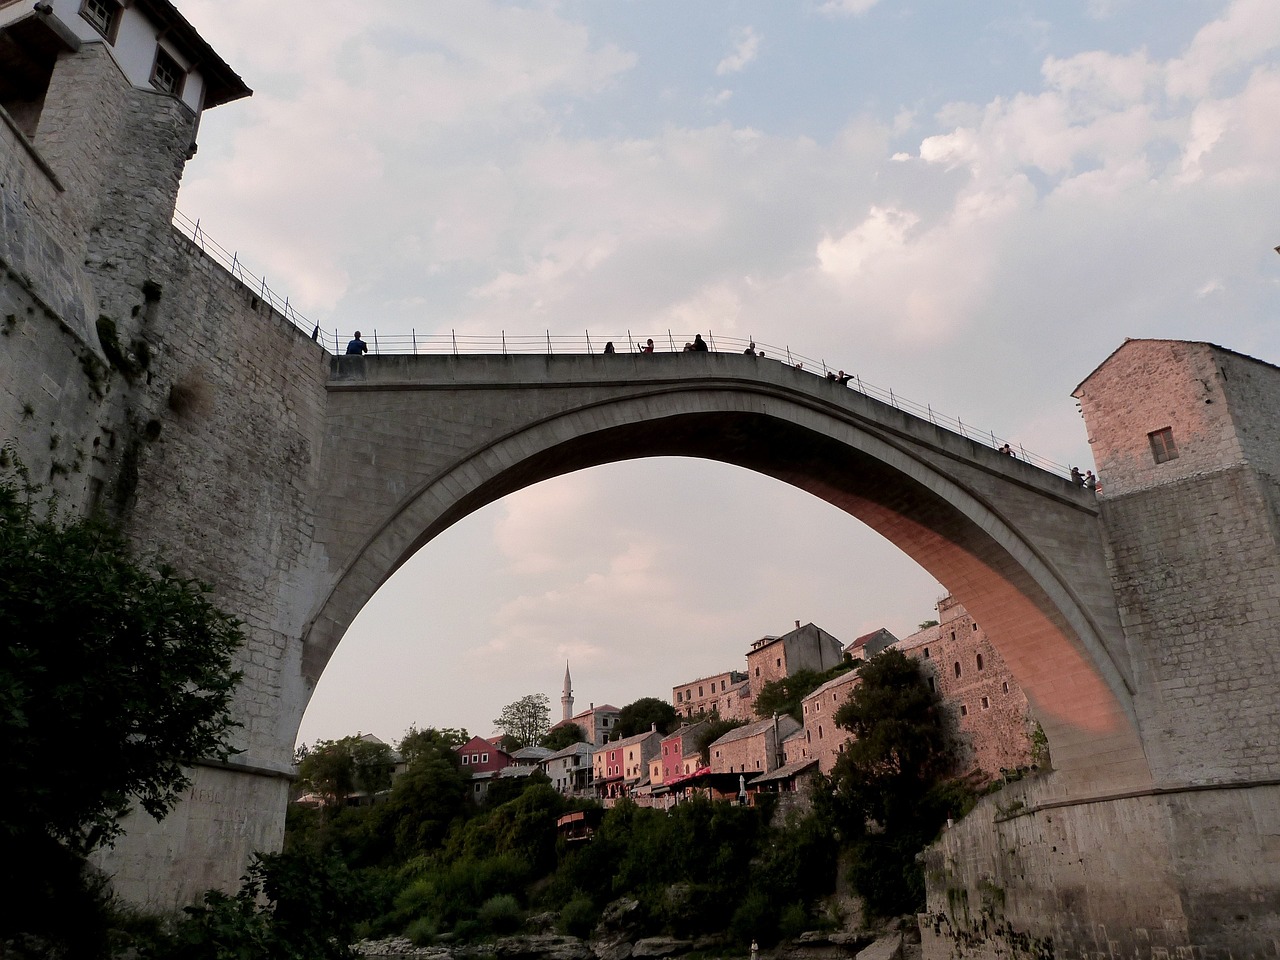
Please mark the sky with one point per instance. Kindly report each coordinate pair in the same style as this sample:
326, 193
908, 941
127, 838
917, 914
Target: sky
971, 204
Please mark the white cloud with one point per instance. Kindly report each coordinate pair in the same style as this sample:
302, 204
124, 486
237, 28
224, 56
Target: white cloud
851, 8
746, 47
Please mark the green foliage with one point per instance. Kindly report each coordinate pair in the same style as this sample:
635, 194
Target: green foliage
786, 695
288, 908
500, 915
526, 721
925, 624
639, 716
430, 741
892, 785
334, 769
578, 917
564, 735
427, 799
125, 663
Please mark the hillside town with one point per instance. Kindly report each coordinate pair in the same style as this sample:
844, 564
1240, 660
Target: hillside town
772, 753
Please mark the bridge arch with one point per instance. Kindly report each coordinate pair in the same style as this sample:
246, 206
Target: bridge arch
1018, 547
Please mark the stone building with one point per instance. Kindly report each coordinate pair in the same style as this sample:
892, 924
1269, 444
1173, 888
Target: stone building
596, 723
755, 748
806, 647
984, 704
823, 740
869, 644
726, 694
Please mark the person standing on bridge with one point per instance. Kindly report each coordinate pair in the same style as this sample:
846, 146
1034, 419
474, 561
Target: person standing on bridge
751, 349
648, 346
357, 346
700, 345
608, 347
1077, 477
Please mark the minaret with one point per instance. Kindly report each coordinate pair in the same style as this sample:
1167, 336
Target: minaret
566, 698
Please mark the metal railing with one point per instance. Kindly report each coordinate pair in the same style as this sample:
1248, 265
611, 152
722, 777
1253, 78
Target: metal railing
665, 341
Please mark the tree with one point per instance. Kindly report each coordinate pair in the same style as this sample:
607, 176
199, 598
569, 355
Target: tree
428, 741
640, 715
787, 694
563, 735
334, 769
527, 720
124, 665
893, 781
116, 675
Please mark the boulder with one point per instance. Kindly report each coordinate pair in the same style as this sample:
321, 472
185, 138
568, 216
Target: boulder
659, 947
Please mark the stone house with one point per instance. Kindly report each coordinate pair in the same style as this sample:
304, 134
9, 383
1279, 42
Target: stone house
596, 723
725, 694
983, 703
869, 644
823, 740
806, 647
755, 748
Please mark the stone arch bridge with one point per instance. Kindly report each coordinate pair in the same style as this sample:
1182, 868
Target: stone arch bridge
412, 444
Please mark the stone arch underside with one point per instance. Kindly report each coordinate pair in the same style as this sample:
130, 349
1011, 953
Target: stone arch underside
991, 545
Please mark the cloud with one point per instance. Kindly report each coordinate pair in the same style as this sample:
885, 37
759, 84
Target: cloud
846, 8
746, 47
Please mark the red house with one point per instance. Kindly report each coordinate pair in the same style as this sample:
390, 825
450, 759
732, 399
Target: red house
481, 756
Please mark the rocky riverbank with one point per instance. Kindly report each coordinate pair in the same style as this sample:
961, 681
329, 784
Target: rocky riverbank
891, 945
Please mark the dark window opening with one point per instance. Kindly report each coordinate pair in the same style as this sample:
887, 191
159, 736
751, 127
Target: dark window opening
166, 75
1162, 446
979, 658
103, 16
957, 668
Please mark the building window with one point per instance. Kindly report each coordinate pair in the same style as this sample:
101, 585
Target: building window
722, 683
819, 731
964, 711
957, 668
679, 697
779, 661
757, 671
979, 658
975, 626
166, 74
699, 691
103, 16
1162, 445
1006, 686
484, 758
985, 703
926, 653
931, 685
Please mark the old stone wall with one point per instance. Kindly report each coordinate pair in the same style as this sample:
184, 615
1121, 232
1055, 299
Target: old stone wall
141, 378
1184, 874
985, 707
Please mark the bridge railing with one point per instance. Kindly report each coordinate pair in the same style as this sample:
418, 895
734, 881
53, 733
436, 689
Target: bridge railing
627, 341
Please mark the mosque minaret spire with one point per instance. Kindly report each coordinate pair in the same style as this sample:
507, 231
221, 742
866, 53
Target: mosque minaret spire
566, 698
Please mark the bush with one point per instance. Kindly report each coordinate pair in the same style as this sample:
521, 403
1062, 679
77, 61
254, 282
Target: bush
500, 914
578, 917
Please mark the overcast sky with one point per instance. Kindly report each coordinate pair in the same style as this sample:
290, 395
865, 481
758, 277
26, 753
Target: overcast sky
971, 204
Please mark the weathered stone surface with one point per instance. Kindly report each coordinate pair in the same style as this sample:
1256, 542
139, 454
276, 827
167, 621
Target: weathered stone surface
660, 947
888, 947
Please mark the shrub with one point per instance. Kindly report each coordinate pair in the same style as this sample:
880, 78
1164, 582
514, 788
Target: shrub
578, 917
500, 914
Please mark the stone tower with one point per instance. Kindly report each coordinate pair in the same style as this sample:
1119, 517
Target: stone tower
566, 696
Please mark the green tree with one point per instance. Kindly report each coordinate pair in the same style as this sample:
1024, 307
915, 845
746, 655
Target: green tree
334, 769
639, 716
527, 720
893, 786
428, 797
428, 741
787, 694
115, 676
563, 735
